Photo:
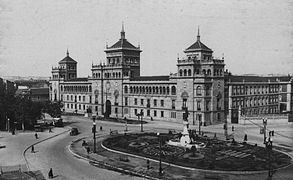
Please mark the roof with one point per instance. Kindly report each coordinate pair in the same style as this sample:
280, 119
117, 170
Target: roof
123, 43
39, 91
150, 78
67, 59
198, 45
255, 78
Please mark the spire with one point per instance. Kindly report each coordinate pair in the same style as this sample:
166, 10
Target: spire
67, 52
122, 31
198, 36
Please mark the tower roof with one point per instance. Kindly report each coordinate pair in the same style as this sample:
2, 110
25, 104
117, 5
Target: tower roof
67, 59
198, 45
122, 43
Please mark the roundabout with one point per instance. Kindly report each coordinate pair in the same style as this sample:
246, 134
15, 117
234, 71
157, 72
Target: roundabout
216, 155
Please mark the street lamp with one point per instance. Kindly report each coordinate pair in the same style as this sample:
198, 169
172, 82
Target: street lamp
269, 147
94, 132
160, 143
264, 121
141, 124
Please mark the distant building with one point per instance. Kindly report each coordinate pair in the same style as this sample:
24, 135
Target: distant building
39, 94
252, 96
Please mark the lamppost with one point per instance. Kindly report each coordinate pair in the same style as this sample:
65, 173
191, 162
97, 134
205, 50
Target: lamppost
269, 147
160, 165
94, 132
141, 124
264, 121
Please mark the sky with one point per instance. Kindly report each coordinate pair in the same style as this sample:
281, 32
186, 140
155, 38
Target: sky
254, 36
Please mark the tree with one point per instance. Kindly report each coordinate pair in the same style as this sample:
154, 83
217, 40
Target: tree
53, 108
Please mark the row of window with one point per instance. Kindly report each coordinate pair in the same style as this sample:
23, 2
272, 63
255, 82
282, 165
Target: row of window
265, 100
76, 88
155, 113
208, 72
257, 89
150, 90
70, 98
108, 75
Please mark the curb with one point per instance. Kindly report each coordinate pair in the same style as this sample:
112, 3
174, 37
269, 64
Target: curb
23, 154
105, 164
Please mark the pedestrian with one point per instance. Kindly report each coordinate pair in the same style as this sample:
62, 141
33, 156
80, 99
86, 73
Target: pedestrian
33, 149
101, 128
88, 150
50, 174
273, 132
50, 129
36, 135
148, 164
245, 137
232, 128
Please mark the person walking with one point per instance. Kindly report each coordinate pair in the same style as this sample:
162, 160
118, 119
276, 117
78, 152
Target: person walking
50, 174
36, 135
33, 149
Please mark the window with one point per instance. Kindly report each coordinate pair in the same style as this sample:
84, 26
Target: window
198, 105
173, 114
126, 101
162, 103
71, 106
155, 102
198, 90
83, 107
141, 102
184, 103
116, 110
173, 103
67, 106
90, 99
162, 113
135, 101
135, 111
79, 106
189, 72
79, 98
96, 108
180, 72
125, 89
71, 97
83, 98
155, 113
67, 97
173, 90
148, 112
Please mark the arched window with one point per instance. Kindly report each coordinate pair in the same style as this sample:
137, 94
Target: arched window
180, 72
143, 89
204, 72
185, 72
161, 91
125, 89
61, 88
189, 72
154, 90
173, 90
164, 90
209, 72
147, 90
197, 71
198, 90
119, 74
131, 89
157, 90
150, 90
140, 90
168, 90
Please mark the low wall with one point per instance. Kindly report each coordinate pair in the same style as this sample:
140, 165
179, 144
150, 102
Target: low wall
272, 119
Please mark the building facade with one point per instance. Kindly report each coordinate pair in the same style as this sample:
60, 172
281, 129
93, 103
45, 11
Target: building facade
116, 88
252, 96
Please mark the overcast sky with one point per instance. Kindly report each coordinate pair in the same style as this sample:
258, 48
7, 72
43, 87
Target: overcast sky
254, 36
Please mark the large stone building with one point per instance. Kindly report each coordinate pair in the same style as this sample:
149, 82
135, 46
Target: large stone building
117, 89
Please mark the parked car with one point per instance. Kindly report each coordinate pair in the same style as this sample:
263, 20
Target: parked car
58, 122
74, 131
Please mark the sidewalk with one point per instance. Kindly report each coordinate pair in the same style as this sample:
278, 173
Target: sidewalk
13, 153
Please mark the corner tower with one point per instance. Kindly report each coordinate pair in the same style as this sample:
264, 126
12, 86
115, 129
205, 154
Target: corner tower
201, 77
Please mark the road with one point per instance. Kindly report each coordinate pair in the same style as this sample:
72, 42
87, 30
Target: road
54, 154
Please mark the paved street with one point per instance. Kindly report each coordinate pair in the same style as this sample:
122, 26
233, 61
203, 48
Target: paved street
54, 152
